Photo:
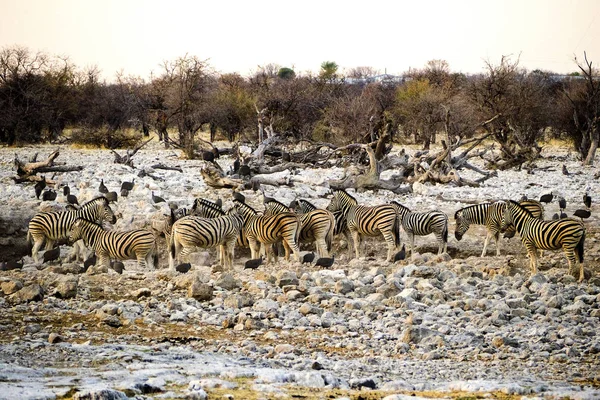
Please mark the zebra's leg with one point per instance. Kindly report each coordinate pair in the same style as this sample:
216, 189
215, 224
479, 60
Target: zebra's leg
356, 239
141, 260
533, 257
350, 242
37, 243
150, 259
287, 249
485, 243
321, 245
411, 239
49, 244
174, 252
102, 259
390, 240
229, 251
255, 248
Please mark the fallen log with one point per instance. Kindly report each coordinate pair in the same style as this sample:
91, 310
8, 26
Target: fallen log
127, 159
31, 168
166, 167
214, 178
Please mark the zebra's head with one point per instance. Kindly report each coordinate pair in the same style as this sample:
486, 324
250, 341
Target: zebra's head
462, 225
507, 224
340, 201
105, 213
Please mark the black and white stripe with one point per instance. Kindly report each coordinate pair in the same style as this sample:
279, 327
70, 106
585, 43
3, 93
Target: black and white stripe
193, 231
368, 221
316, 226
269, 229
139, 244
54, 226
424, 223
567, 234
488, 214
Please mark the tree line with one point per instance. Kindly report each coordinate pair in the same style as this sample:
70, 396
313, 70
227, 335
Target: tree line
43, 96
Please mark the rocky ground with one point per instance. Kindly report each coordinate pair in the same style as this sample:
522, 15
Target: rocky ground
454, 325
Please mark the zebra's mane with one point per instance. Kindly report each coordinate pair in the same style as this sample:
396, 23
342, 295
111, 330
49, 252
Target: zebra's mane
206, 203
468, 208
95, 199
311, 205
520, 207
89, 222
277, 202
400, 205
345, 193
244, 205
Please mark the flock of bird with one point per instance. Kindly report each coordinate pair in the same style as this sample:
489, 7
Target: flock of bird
582, 213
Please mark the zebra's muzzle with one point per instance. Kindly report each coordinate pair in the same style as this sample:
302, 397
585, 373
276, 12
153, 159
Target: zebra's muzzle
458, 235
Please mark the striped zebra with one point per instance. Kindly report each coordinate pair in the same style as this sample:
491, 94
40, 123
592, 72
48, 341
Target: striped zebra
138, 243
269, 229
567, 234
315, 226
200, 202
368, 221
488, 214
534, 207
424, 223
54, 226
193, 231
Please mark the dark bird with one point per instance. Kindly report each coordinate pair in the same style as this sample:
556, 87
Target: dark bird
546, 198
51, 255
208, 156
183, 268
523, 198
325, 262
10, 265
117, 266
111, 197
72, 199
555, 216
157, 199
239, 197
562, 203
102, 188
308, 258
401, 255
254, 263
236, 166
244, 170
587, 200
39, 186
49, 195
219, 203
285, 156
66, 190
128, 185
124, 192
565, 171
583, 214
89, 262
255, 185
563, 215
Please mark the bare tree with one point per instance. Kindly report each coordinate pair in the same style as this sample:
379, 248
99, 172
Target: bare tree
583, 95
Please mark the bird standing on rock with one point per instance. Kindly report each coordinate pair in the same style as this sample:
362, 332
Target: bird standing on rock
546, 198
308, 258
128, 185
39, 186
565, 171
102, 188
583, 214
117, 266
72, 199
254, 263
124, 192
587, 200
325, 262
51, 255
157, 199
111, 197
66, 190
183, 268
10, 265
49, 195
401, 255
562, 203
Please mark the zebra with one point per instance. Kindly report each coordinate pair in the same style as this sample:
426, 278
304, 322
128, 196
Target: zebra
269, 229
200, 202
424, 223
54, 226
488, 214
138, 243
368, 221
534, 207
567, 234
194, 231
315, 226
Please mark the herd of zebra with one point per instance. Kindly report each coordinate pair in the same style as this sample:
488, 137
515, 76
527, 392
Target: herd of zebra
207, 225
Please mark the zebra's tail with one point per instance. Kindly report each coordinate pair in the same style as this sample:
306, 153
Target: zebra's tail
445, 233
329, 235
29, 245
396, 229
580, 247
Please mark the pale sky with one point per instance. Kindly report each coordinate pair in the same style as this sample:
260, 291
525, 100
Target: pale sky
237, 36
